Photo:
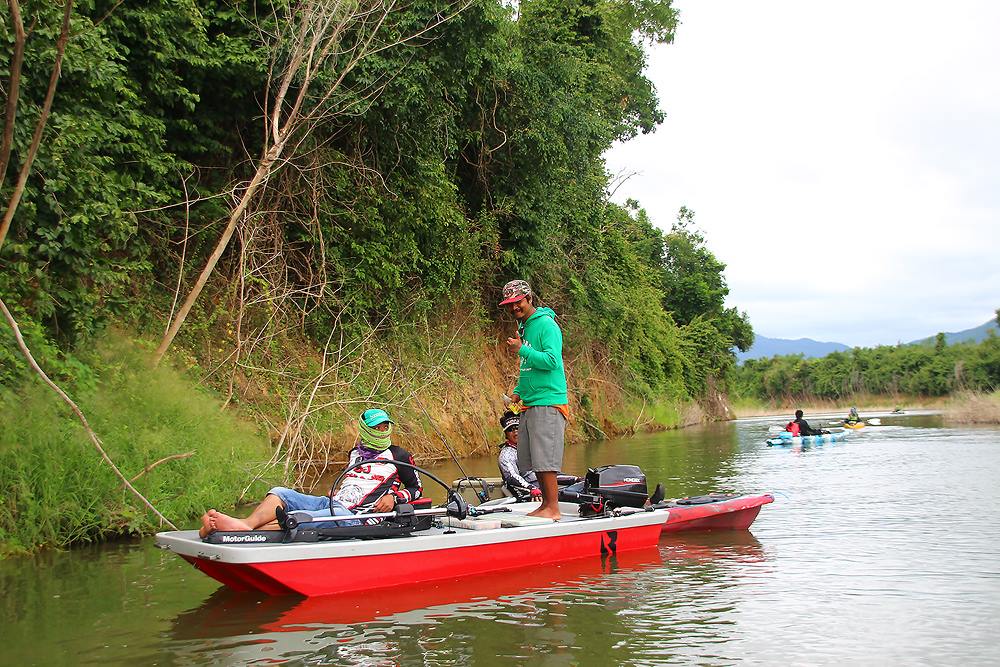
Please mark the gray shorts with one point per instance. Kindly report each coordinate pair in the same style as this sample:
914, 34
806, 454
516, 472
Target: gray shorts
540, 439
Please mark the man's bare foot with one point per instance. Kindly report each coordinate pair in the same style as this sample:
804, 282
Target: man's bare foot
546, 513
225, 522
207, 525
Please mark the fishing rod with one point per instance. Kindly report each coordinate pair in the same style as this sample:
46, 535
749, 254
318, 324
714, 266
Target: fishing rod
482, 494
300, 517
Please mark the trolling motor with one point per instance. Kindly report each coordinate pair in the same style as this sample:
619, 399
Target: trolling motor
607, 488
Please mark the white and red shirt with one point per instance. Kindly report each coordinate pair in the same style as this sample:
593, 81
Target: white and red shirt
364, 485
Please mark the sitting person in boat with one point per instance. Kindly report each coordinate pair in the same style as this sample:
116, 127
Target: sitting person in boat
521, 486
378, 487
852, 417
801, 427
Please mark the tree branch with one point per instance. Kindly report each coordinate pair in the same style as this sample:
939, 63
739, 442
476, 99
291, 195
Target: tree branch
22, 179
13, 90
79, 414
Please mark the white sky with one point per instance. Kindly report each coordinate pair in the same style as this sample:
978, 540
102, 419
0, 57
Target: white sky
842, 159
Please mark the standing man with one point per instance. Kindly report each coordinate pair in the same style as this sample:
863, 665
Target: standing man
541, 386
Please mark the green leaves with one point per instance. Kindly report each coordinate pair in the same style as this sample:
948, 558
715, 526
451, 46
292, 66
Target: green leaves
446, 165
915, 370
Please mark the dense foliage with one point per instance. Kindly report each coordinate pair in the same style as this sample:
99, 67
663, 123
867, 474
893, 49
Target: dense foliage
444, 165
171, 441
935, 369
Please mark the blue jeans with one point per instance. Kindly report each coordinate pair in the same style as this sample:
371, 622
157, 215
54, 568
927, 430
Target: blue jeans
315, 506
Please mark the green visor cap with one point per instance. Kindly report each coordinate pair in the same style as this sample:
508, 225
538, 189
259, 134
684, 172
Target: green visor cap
374, 417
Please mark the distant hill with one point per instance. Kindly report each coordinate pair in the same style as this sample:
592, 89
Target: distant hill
975, 334
765, 348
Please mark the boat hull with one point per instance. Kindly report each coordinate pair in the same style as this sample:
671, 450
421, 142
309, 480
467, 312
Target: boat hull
329, 568
731, 514
807, 439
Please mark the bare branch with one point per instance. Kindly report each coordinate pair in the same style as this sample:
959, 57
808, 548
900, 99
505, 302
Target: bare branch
79, 414
43, 118
13, 89
172, 457
318, 46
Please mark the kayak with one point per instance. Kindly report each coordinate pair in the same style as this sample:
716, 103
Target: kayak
786, 439
714, 512
453, 547
854, 425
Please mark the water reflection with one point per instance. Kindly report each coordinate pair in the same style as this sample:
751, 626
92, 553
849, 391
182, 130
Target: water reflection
879, 550
523, 606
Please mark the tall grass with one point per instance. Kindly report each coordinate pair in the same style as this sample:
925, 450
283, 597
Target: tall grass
56, 491
974, 408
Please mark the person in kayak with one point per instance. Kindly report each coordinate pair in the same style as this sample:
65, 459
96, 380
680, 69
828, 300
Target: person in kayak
801, 427
377, 487
525, 485
852, 417
541, 387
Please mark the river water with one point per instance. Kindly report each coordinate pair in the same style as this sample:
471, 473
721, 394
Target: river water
884, 549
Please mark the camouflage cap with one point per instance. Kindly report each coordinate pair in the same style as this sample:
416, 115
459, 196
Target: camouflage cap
509, 421
515, 290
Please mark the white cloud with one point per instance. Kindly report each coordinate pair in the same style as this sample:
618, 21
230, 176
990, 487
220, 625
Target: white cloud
843, 160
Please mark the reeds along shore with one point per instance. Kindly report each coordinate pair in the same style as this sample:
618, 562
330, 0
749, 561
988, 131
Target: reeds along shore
967, 407
865, 404
973, 408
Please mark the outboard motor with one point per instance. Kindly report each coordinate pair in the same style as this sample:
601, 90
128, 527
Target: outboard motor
622, 485
606, 488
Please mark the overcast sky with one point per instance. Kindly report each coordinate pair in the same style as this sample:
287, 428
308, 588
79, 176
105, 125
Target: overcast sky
842, 159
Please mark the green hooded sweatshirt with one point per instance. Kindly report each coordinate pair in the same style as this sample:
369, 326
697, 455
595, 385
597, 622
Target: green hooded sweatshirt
542, 380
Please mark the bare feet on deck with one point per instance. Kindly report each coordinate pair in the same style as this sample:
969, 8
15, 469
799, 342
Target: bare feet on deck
225, 522
207, 525
546, 513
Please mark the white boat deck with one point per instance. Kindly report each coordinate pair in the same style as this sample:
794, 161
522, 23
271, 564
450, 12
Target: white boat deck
499, 528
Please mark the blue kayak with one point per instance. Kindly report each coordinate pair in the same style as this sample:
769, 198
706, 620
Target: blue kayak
786, 439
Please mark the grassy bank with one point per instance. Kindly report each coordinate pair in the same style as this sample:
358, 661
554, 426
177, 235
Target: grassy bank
56, 490
973, 408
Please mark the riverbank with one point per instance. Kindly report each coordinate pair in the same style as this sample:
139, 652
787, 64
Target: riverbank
973, 408
190, 439
865, 404
166, 435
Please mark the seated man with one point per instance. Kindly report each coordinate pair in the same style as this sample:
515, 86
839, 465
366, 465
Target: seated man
519, 485
801, 427
853, 417
377, 487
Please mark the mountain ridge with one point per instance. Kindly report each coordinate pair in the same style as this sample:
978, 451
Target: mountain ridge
764, 347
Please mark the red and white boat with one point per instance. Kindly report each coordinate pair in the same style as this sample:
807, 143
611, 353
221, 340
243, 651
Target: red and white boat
714, 512
607, 513
625, 483
454, 548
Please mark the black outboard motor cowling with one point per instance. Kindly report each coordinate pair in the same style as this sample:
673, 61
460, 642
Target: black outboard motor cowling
621, 485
